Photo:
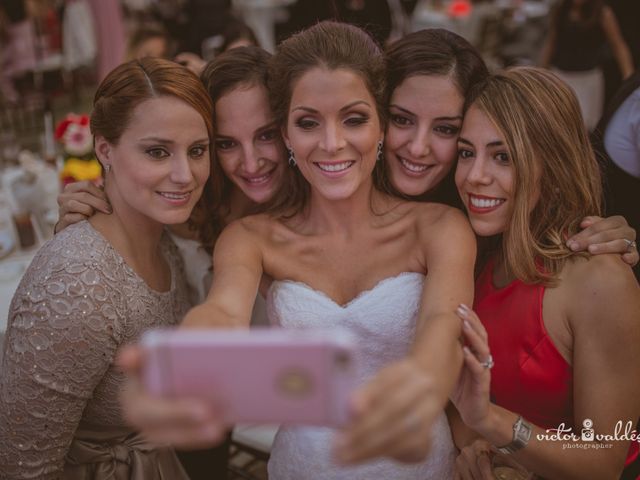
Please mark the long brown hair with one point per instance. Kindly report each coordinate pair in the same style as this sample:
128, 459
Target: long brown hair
239, 67
540, 119
334, 46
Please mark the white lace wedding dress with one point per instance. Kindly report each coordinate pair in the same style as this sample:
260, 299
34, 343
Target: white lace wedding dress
383, 320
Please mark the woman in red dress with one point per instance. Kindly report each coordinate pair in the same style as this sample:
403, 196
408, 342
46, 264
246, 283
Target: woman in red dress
561, 328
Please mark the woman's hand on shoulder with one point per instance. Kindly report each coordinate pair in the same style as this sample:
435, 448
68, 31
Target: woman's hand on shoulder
183, 423
79, 201
606, 235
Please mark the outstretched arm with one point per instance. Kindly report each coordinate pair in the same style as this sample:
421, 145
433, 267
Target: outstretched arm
237, 270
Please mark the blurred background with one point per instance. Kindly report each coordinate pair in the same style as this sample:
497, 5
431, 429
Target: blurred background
54, 52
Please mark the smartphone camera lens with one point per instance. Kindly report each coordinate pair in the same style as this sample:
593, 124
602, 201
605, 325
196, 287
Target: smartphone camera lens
342, 360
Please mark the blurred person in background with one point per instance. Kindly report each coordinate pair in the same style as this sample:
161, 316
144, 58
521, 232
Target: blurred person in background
617, 142
17, 52
374, 16
236, 34
110, 33
206, 18
628, 15
580, 30
149, 41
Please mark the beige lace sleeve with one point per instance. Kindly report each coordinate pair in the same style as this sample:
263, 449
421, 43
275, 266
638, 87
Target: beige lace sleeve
62, 337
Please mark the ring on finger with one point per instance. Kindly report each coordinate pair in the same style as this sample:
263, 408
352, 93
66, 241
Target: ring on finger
488, 363
631, 244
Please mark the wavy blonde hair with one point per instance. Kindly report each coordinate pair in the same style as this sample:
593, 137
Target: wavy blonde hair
540, 119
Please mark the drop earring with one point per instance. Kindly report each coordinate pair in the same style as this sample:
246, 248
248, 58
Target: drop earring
379, 154
292, 158
107, 168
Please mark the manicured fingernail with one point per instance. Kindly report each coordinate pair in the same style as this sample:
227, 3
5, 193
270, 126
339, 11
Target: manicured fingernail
466, 350
593, 248
573, 246
466, 324
462, 311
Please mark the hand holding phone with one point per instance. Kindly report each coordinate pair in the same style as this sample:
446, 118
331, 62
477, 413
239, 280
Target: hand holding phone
256, 376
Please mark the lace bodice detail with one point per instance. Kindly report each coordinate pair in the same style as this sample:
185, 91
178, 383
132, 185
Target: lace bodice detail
77, 303
383, 320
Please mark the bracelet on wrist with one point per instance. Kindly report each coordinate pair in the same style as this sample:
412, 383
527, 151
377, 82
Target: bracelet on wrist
521, 435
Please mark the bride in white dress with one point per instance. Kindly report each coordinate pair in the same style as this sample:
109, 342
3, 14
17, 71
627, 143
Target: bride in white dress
334, 250
383, 321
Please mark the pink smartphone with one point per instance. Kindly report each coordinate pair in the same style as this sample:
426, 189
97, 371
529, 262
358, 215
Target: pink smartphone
256, 376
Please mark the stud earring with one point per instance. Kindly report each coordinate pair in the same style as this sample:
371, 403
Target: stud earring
379, 154
292, 158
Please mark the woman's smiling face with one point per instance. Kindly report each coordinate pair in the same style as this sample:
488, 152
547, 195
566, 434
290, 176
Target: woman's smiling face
334, 129
248, 143
425, 116
160, 164
485, 175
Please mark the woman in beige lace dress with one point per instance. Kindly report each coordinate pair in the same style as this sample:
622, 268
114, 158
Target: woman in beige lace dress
102, 282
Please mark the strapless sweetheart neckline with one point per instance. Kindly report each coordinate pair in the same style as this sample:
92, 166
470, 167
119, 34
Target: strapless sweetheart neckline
358, 297
383, 321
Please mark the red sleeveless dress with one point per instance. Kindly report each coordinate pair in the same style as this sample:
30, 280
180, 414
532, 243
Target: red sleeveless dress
530, 377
